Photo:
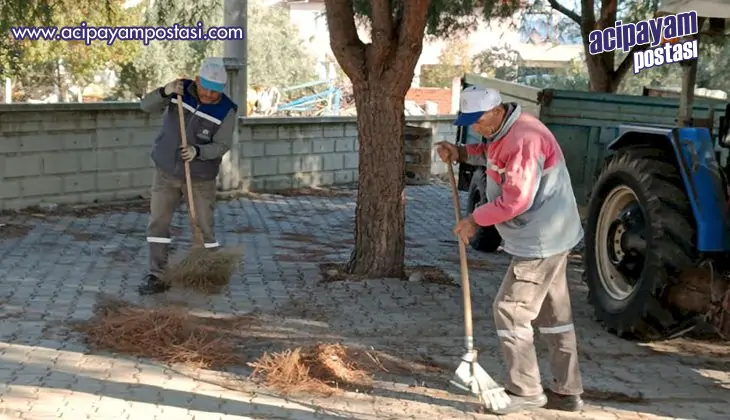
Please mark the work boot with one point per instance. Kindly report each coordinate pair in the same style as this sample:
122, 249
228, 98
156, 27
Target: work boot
518, 404
563, 402
152, 285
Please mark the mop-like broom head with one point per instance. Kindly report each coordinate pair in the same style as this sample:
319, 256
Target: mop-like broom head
204, 270
470, 376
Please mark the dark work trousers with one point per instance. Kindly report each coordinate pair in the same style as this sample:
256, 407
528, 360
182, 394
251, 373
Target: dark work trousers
167, 194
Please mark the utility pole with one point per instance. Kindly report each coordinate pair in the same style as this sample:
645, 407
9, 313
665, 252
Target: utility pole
235, 58
236, 15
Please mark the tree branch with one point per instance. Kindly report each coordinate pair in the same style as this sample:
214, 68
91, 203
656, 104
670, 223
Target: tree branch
609, 9
346, 46
382, 36
588, 19
572, 15
410, 42
628, 61
607, 17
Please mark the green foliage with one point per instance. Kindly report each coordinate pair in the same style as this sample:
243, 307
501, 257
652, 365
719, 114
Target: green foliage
276, 56
17, 13
448, 17
167, 12
656, 77
501, 62
54, 63
162, 61
158, 63
454, 61
575, 77
712, 71
26, 12
439, 75
713, 66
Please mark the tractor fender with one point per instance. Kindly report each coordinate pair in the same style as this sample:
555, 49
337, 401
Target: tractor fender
694, 153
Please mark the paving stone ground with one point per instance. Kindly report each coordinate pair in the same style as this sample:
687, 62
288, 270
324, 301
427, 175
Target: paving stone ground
53, 268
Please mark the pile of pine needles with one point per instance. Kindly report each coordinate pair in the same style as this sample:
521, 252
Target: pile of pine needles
322, 369
169, 335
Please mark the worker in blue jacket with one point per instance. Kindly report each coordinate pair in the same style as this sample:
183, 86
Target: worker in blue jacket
210, 120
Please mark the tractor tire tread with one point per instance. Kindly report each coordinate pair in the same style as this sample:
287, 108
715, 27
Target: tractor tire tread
672, 241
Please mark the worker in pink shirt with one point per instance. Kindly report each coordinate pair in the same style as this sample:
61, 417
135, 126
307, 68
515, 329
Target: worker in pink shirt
532, 205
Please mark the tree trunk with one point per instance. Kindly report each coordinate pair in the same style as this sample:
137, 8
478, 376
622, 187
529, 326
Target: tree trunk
381, 73
602, 78
380, 212
603, 82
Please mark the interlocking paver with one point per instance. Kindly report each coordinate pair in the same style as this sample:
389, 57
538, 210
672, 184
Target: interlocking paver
53, 275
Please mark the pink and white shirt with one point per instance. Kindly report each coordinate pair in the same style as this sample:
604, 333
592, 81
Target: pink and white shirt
529, 191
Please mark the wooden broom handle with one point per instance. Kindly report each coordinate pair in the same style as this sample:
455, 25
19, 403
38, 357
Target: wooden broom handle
188, 178
468, 327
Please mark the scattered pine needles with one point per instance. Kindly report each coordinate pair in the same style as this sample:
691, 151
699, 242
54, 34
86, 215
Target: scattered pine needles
169, 335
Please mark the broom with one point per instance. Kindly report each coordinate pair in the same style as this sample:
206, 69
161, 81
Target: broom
201, 269
470, 376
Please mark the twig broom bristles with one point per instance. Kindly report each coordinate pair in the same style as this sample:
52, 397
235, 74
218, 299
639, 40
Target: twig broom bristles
202, 269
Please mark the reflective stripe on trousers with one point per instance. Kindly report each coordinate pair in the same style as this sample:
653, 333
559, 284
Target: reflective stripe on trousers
166, 195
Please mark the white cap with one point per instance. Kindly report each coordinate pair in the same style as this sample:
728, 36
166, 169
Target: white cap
474, 102
213, 74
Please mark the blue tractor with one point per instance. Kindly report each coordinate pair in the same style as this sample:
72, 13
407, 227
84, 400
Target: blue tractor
657, 230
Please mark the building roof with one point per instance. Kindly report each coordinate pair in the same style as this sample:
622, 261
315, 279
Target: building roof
441, 96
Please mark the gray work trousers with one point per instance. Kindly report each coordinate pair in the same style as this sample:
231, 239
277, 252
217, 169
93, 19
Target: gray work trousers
166, 195
534, 292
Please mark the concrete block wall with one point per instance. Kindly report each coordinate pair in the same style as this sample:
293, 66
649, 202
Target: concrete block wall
280, 153
72, 153
85, 153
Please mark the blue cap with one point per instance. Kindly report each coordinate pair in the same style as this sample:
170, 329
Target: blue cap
210, 85
213, 74
474, 102
468, 118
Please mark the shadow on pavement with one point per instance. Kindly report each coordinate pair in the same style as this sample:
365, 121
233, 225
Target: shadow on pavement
156, 395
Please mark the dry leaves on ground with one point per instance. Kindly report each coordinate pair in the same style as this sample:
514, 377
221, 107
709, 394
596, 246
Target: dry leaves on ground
332, 272
140, 205
14, 231
429, 274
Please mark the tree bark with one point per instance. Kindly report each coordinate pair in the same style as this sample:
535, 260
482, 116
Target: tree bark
602, 78
380, 212
603, 73
381, 73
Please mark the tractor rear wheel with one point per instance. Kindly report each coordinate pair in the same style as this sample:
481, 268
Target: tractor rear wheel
639, 236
